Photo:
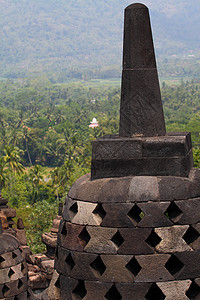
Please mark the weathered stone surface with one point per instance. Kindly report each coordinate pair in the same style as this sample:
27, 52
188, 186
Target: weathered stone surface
21, 236
48, 266
173, 188
150, 166
141, 107
56, 223
53, 291
100, 241
82, 269
85, 215
8, 243
70, 209
11, 274
136, 291
20, 224
153, 268
69, 237
191, 265
49, 239
13, 288
143, 188
117, 215
93, 287
9, 212
11, 259
154, 214
116, 270
175, 289
116, 190
67, 285
190, 209
172, 239
194, 187
134, 241
60, 262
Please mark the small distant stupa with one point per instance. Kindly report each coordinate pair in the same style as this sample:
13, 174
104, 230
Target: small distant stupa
94, 123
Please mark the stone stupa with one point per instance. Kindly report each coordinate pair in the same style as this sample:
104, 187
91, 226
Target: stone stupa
131, 228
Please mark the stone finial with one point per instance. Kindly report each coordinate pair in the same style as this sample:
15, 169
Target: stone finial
20, 224
141, 112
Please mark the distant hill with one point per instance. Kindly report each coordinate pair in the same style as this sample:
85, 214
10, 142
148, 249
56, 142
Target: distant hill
65, 36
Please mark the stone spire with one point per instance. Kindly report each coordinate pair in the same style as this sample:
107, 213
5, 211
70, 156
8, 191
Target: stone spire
141, 112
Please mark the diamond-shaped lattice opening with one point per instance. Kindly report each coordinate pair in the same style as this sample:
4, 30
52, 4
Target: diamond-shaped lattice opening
70, 262
56, 252
193, 291
133, 266
74, 208
173, 212
113, 294
57, 283
153, 239
16, 298
23, 268
80, 289
2, 259
136, 214
64, 230
117, 239
84, 237
155, 293
98, 266
191, 235
99, 211
5, 289
20, 250
174, 265
14, 255
10, 273
20, 284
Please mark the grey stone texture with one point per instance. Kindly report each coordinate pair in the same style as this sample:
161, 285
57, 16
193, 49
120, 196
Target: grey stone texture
141, 110
114, 156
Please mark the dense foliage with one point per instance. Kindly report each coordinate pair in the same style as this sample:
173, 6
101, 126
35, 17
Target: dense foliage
45, 139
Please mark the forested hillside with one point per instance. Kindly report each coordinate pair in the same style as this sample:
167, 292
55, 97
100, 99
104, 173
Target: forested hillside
80, 39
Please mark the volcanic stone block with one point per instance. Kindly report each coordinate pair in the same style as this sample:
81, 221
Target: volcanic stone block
93, 287
172, 239
175, 289
179, 188
194, 187
11, 274
82, 268
136, 291
117, 215
190, 261
190, 209
85, 215
70, 209
6, 245
153, 268
154, 214
9, 259
61, 265
116, 268
143, 188
134, 241
67, 285
142, 156
70, 237
100, 241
